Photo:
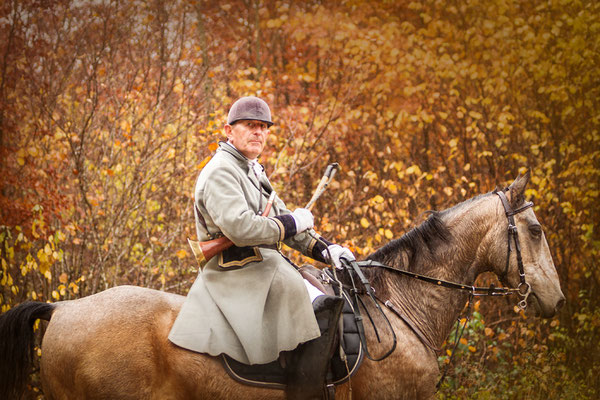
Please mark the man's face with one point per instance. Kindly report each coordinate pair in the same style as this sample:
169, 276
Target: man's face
248, 136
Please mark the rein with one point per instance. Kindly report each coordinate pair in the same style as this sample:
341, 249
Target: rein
523, 289
474, 290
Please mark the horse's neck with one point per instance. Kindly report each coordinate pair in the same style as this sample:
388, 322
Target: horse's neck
432, 309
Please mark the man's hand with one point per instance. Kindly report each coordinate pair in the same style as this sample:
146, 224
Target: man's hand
303, 218
337, 252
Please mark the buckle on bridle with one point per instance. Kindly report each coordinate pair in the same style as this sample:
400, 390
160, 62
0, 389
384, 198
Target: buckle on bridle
524, 294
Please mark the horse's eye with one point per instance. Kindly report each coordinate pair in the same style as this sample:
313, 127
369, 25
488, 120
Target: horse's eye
535, 230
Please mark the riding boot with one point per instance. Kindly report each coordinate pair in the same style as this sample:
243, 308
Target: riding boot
310, 361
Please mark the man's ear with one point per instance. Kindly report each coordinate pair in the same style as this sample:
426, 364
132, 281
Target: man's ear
227, 129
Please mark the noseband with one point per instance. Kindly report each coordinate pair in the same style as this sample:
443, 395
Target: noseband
524, 288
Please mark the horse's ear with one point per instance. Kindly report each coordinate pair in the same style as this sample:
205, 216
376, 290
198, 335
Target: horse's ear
516, 191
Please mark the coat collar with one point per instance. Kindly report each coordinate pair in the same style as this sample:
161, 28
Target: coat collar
242, 161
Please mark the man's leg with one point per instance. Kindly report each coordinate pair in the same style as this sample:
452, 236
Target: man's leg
310, 361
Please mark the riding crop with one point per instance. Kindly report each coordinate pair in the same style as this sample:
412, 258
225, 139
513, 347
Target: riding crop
327, 177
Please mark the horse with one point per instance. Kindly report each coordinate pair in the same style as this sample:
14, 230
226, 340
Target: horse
113, 344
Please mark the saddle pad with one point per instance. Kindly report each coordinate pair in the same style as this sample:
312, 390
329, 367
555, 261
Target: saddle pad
272, 375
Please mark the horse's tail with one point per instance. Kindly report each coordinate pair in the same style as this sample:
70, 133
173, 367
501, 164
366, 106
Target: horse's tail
16, 345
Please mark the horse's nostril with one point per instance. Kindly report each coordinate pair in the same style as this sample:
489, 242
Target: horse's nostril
560, 303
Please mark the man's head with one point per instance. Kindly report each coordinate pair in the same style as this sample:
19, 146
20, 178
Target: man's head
248, 125
251, 108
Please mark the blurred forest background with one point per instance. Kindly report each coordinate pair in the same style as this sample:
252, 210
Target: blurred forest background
109, 109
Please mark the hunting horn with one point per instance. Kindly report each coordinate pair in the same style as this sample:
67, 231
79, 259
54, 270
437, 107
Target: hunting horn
327, 177
204, 251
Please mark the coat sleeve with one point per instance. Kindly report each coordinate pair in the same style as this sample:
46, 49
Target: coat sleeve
309, 243
225, 201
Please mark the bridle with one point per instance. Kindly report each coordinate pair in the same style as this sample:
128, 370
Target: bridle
524, 288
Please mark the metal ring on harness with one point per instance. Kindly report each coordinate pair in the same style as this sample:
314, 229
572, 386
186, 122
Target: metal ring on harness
525, 295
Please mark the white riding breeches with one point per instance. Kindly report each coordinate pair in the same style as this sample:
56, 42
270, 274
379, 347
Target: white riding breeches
313, 292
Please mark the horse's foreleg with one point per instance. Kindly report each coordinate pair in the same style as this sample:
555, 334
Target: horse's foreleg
16, 345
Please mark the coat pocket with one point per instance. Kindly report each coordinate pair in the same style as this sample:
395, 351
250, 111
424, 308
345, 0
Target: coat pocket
238, 257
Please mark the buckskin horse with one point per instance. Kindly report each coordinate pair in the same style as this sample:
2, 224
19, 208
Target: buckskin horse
113, 345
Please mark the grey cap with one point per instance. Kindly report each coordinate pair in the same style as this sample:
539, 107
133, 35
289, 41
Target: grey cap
251, 108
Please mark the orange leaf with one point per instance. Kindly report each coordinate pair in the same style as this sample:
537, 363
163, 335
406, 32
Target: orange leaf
181, 254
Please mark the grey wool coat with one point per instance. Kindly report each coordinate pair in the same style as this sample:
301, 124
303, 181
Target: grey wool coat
248, 302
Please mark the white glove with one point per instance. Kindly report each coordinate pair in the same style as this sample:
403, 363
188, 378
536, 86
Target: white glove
304, 219
336, 251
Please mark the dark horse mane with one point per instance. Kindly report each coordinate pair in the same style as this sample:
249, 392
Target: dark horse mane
419, 242
428, 235
402, 252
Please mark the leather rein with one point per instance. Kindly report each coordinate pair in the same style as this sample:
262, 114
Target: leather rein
523, 289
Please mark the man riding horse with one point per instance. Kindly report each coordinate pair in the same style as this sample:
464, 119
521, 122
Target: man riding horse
250, 302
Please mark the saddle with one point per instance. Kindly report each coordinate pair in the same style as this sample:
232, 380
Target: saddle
344, 363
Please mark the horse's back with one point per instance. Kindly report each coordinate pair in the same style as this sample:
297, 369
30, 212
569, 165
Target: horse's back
93, 344
114, 345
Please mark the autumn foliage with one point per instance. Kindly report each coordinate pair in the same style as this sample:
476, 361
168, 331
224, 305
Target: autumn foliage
108, 110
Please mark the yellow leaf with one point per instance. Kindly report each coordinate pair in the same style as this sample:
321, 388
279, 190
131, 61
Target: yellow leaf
388, 234
364, 222
489, 332
472, 349
392, 188
32, 151
178, 88
74, 287
55, 295
413, 169
63, 278
125, 126
181, 254
475, 115
464, 341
